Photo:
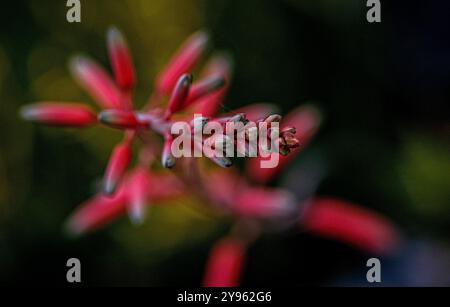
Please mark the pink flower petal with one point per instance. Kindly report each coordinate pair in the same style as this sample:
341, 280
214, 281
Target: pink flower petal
225, 264
182, 62
96, 82
350, 223
53, 113
121, 60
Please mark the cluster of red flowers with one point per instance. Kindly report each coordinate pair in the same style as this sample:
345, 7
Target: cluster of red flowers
244, 196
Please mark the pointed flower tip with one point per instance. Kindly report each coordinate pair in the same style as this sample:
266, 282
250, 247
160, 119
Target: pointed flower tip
167, 159
79, 62
221, 63
183, 61
72, 230
198, 39
113, 35
137, 215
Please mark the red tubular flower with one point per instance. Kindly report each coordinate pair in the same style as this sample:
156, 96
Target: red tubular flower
121, 60
117, 165
225, 264
182, 62
306, 121
218, 65
350, 223
262, 202
179, 95
96, 82
138, 184
121, 119
204, 87
96, 212
52, 113
101, 209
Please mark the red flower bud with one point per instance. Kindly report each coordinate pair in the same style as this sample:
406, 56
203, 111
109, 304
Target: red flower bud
96, 81
179, 95
119, 119
121, 60
350, 223
183, 61
219, 65
51, 113
117, 165
138, 185
225, 264
203, 88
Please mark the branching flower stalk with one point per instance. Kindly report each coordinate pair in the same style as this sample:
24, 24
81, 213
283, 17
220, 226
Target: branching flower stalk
177, 97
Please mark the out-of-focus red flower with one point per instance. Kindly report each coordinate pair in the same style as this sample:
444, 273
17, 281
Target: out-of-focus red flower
262, 202
225, 264
138, 184
350, 223
183, 61
58, 114
102, 209
121, 60
117, 166
96, 81
96, 212
179, 95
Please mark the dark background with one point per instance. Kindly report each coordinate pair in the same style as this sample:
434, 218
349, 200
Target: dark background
383, 89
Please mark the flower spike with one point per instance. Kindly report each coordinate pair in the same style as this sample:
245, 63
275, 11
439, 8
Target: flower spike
225, 263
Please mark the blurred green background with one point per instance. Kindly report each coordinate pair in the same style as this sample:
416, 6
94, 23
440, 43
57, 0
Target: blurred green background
384, 90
